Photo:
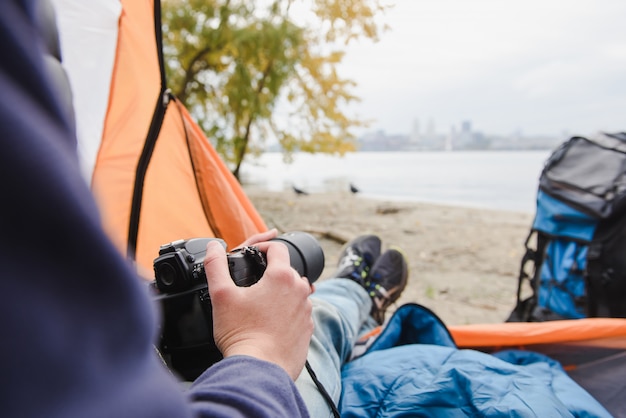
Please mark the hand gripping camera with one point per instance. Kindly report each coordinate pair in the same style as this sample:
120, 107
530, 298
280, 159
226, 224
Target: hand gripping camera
186, 342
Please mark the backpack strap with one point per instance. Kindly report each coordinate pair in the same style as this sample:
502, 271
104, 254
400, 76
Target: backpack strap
597, 302
530, 270
606, 269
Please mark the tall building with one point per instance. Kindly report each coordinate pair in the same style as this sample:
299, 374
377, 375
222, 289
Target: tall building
430, 128
450, 139
465, 137
414, 138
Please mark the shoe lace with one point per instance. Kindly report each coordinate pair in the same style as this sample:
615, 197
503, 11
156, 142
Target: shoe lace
378, 294
353, 259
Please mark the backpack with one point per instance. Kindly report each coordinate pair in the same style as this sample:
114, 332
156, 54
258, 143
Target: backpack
575, 260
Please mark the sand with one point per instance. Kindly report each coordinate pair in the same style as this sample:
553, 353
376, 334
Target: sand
463, 262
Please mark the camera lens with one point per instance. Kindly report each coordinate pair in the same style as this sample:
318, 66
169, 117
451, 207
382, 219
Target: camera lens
305, 253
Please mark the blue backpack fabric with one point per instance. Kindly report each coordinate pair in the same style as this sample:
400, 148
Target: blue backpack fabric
575, 264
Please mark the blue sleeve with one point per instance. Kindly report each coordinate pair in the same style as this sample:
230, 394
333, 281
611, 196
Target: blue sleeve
77, 325
243, 386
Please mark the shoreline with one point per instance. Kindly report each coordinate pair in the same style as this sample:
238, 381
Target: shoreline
463, 261
452, 204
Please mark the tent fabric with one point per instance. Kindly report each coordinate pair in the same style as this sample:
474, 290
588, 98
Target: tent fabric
609, 332
514, 334
604, 380
188, 192
188, 184
88, 33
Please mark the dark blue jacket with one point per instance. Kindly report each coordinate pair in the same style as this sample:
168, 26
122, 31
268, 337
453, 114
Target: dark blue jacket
77, 326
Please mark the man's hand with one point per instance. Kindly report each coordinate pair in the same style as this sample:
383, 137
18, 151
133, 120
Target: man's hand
260, 237
270, 320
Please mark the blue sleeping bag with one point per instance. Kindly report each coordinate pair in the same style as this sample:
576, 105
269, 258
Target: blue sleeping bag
414, 369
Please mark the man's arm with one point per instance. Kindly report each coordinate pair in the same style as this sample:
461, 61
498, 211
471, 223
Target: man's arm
243, 386
270, 320
78, 325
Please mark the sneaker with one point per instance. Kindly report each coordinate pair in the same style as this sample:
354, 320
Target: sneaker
386, 281
358, 257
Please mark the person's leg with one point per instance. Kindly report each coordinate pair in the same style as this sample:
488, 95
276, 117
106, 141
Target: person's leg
341, 312
341, 308
345, 308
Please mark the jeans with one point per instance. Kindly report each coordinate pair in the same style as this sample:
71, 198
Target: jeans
341, 312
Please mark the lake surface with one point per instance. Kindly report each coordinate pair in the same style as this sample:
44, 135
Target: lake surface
502, 180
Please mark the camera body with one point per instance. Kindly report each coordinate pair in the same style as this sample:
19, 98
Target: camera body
186, 341
180, 265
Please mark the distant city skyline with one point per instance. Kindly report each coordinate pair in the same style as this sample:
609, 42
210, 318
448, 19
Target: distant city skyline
462, 138
431, 126
541, 67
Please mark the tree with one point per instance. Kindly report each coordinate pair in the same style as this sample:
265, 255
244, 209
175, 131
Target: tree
248, 72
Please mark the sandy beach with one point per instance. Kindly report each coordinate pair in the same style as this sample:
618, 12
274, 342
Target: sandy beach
463, 262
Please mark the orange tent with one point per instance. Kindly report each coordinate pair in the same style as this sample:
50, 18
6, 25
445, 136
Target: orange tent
511, 334
155, 175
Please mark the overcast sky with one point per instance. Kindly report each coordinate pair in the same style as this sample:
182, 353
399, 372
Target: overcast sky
539, 66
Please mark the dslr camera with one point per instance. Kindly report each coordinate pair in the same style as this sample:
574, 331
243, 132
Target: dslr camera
186, 341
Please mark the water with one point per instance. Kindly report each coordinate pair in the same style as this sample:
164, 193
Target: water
502, 180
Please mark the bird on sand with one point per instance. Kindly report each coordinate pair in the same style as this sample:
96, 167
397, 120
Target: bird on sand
298, 191
353, 188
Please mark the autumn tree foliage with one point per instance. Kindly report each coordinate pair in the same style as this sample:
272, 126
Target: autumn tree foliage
250, 71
